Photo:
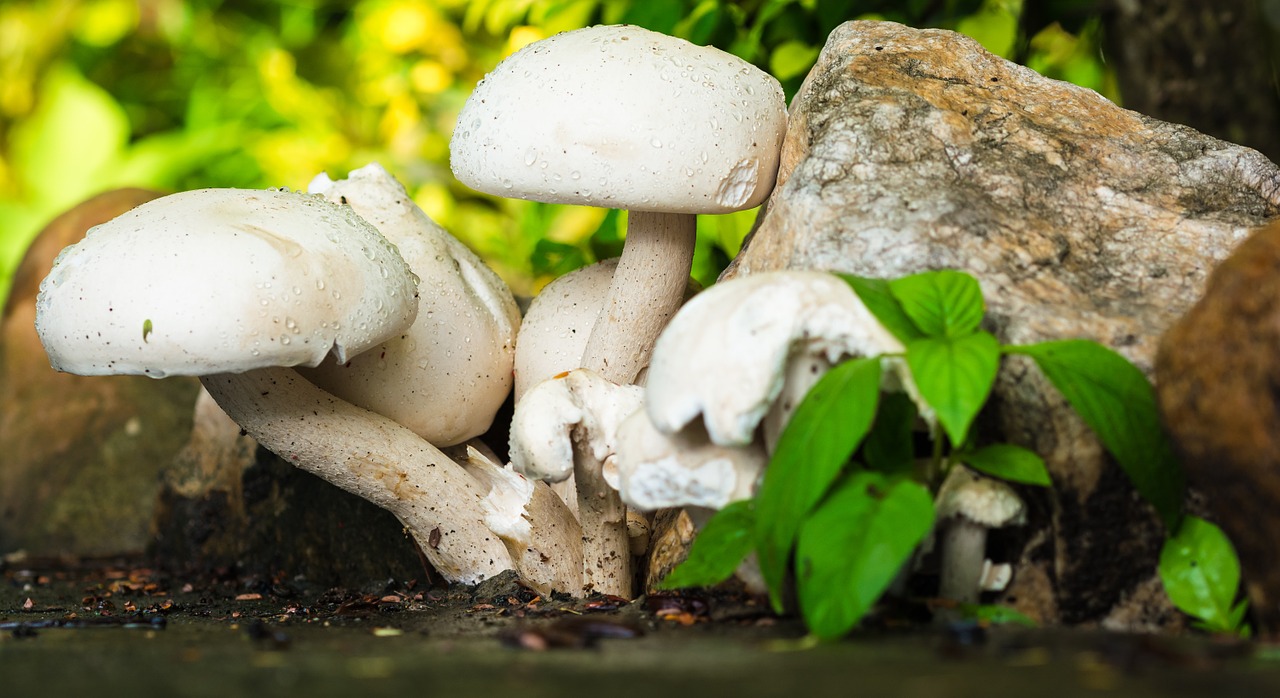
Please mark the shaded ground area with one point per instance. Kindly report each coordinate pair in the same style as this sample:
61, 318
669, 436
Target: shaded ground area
109, 627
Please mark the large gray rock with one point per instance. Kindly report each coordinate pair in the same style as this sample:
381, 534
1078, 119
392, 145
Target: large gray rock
916, 149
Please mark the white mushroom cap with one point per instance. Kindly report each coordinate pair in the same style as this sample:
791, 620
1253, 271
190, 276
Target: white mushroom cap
446, 376
622, 117
223, 280
724, 355
983, 500
555, 329
657, 470
578, 408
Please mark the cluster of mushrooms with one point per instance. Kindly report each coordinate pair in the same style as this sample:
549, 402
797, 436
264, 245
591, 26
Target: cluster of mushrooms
351, 335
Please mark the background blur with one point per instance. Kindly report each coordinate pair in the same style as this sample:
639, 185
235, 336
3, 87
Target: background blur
184, 94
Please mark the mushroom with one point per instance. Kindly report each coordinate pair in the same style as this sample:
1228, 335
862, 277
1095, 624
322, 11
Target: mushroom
567, 425
235, 286
623, 117
968, 506
541, 534
445, 376
657, 470
732, 351
554, 331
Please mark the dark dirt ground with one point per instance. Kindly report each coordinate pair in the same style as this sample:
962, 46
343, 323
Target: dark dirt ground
117, 627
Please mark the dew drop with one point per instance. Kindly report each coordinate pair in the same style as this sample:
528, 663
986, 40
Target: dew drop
655, 143
530, 157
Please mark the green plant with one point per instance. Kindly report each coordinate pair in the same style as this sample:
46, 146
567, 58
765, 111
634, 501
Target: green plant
843, 505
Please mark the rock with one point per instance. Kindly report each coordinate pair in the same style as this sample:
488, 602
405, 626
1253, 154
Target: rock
916, 149
82, 456
1218, 374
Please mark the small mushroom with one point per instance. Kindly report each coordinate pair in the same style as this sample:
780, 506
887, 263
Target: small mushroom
968, 506
623, 117
736, 348
567, 425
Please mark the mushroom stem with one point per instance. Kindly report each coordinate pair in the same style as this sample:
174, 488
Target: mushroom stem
372, 457
648, 287
964, 546
606, 547
542, 535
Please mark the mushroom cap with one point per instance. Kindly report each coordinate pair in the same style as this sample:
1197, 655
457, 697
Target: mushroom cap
445, 376
983, 500
577, 411
725, 353
623, 117
223, 280
555, 329
657, 470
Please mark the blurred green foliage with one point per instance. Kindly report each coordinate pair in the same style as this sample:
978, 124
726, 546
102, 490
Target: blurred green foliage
184, 94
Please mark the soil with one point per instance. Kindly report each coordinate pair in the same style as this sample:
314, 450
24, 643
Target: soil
117, 626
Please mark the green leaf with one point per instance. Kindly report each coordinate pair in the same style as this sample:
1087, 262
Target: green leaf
61, 152
994, 27
875, 295
1201, 574
955, 375
943, 303
726, 539
1113, 397
1008, 462
555, 259
995, 614
792, 58
825, 430
853, 545
890, 447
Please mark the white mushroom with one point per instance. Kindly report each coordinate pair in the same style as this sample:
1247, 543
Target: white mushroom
968, 506
296, 278
725, 355
623, 117
568, 426
446, 376
657, 470
234, 285
554, 331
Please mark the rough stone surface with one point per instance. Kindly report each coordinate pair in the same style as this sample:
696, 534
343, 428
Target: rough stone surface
916, 149
1218, 381
81, 456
